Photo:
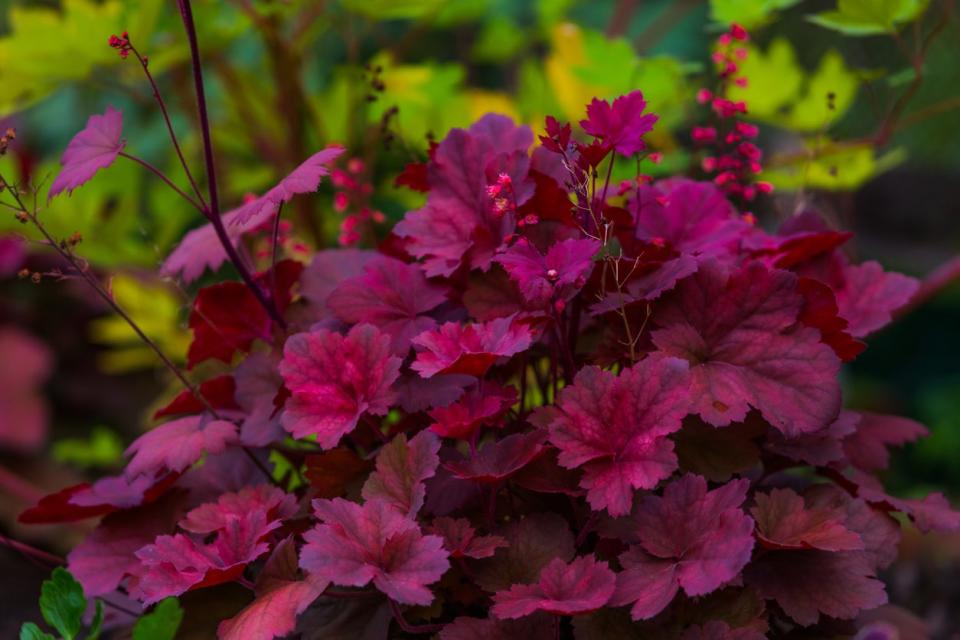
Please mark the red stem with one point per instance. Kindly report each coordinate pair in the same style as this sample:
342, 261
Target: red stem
214, 211
33, 552
160, 174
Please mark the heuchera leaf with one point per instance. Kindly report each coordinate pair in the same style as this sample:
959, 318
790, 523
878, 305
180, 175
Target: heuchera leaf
870, 296
176, 445
335, 379
401, 469
818, 447
281, 596
214, 516
327, 270
304, 179
469, 349
564, 589
92, 149
357, 544
558, 275
392, 296
331, 472
531, 544
866, 448
218, 392
687, 216
820, 310
808, 583
738, 332
227, 318
497, 461
457, 225
260, 394
460, 539
482, 404
615, 427
690, 538
784, 521
620, 125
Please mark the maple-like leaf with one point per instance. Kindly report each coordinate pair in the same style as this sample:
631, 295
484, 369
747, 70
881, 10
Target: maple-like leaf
421, 394
784, 521
304, 179
259, 393
218, 392
327, 270
558, 274
214, 516
866, 448
615, 428
497, 461
357, 544
689, 538
106, 495
92, 149
173, 565
460, 539
331, 472
870, 295
820, 311
687, 216
620, 125
738, 331
483, 404
648, 286
280, 597
401, 469
878, 530
471, 348
226, 317
392, 296
458, 225
808, 583
821, 447
176, 445
579, 587
335, 379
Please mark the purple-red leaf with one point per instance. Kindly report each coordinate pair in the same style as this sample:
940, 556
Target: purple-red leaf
469, 349
621, 125
784, 521
92, 149
563, 589
460, 539
401, 469
497, 461
176, 445
481, 405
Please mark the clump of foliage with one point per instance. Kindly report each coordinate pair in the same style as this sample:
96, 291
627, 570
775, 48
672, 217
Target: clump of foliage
546, 405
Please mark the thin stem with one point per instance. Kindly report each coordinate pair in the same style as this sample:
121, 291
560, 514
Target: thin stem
214, 209
160, 174
274, 250
411, 628
941, 278
166, 119
33, 552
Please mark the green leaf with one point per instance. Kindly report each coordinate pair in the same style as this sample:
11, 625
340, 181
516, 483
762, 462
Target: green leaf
97, 623
30, 631
104, 448
811, 112
499, 40
869, 17
394, 9
773, 77
161, 623
62, 603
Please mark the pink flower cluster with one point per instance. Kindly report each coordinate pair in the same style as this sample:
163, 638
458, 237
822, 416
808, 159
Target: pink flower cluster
624, 420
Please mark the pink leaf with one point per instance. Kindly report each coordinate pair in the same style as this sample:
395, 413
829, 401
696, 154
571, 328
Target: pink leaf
808, 583
327, 270
690, 538
820, 447
866, 448
92, 149
214, 516
392, 296
335, 379
178, 444
258, 384
558, 275
564, 589
462, 541
374, 542
497, 461
304, 179
402, 468
621, 125
281, 596
470, 349
532, 543
649, 286
615, 427
738, 331
457, 225
784, 521
869, 296
483, 404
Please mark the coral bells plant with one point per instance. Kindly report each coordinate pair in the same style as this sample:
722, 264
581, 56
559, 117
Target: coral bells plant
544, 406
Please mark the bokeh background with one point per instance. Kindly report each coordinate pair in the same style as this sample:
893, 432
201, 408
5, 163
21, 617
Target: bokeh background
858, 122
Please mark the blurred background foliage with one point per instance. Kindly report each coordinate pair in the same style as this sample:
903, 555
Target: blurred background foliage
858, 103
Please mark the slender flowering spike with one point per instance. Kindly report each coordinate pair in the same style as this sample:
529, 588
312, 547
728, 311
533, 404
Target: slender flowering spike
333, 380
470, 349
94, 148
564, 589
690, 538
374, 542
615, 428
621, 125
